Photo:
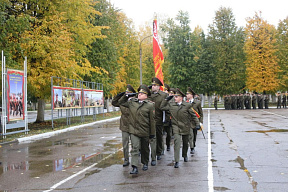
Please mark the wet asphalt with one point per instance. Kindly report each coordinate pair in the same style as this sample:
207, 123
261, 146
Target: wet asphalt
249, 152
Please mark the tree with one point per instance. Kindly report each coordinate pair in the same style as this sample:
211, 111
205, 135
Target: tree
227, 43
56, 44
177, 40
282, 53
117, 54
260, 48
205, 73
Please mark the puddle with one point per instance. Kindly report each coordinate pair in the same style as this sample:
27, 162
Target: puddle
271, 130
40, 167
242, 167
221, 189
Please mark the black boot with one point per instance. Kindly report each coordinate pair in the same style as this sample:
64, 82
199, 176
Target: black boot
134, 170
176, 165
126, 163
145, 167
185, 159
153, 162
168, 148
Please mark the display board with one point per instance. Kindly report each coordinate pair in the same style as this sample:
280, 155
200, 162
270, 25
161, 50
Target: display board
66, 97
93, 98
15, 93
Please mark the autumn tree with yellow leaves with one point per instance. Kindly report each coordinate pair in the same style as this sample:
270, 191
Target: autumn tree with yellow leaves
261, 61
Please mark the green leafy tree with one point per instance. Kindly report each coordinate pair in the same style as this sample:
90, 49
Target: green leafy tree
282, 53
180, 51
260, 47
204, 76
227, 41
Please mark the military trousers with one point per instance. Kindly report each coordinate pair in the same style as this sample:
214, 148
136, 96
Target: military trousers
125, 144
159, 139
153, 148
144, 149
167, 129
193, 137
177, 146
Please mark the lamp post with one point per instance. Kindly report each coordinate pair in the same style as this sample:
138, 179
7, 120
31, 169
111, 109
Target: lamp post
140, 48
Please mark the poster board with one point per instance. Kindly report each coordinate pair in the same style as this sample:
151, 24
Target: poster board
15, 93
93, 98
66, 97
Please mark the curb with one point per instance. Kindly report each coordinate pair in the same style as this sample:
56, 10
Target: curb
53, 133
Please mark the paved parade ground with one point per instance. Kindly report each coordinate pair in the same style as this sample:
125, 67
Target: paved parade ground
243, 150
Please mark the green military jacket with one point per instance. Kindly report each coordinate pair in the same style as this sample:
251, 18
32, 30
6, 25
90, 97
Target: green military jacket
142, 121
158, 98
181, 116
124, 119
196, 105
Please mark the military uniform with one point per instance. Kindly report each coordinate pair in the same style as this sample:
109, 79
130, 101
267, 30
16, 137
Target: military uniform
215, 102
196, 107
167, 122
141, 126
182, 116
254, 101
279, 101
124, 121
284, 105
266, 101
157, 98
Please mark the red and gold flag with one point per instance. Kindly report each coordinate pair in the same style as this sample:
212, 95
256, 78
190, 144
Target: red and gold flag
157, 54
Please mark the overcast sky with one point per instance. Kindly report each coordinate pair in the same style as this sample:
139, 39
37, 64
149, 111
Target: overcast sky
202, 12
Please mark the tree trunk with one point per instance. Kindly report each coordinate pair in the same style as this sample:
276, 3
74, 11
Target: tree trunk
40, 111
107, 105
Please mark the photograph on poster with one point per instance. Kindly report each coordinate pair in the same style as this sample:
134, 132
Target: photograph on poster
93, 98
15, 80
66, 98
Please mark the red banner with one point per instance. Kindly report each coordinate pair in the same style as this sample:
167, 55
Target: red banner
157, 54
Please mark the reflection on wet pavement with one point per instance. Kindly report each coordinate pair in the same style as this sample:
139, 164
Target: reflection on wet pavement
46, 166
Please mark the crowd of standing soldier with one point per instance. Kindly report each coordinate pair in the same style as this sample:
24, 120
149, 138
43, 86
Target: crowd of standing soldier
252, 101
150, 112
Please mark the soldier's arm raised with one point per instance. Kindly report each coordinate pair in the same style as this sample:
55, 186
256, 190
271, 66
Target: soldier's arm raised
124, 101
164, 105
115, 100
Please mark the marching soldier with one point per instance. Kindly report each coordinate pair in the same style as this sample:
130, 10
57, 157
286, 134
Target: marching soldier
182, 115
167, 123
157, 96
196, 107
124, 121
141, 126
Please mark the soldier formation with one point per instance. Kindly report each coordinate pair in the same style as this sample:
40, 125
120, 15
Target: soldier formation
146, 115
252, 101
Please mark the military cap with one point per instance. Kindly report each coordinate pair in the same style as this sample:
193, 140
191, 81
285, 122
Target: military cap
190, 91
172, 90
166, 87
144, 89
130, 89
179, 93
156, 81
